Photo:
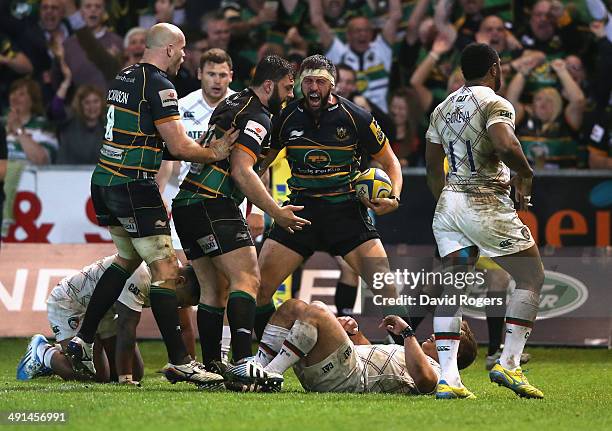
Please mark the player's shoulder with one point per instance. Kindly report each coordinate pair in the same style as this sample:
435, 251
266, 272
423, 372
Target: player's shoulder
356, 112
155, 77
190, 99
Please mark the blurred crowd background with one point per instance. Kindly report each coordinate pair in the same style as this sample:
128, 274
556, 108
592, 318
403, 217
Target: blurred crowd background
396, 58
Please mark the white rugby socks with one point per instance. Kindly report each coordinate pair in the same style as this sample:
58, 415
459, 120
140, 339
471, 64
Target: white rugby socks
299, 342
226, 341
521, 313
448, 334
45, 352
271, 342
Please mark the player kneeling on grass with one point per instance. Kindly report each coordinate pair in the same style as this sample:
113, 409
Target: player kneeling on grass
329, 354
116, 355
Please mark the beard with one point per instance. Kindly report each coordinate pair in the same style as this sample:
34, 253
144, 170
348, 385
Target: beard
323, 102
275, 102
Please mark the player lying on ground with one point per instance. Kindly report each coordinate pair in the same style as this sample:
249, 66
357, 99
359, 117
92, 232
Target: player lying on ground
116, 356
329, 354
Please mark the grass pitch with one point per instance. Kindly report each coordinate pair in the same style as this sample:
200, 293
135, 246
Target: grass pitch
577, 384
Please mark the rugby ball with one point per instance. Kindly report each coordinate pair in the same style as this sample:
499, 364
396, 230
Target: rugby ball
373, 183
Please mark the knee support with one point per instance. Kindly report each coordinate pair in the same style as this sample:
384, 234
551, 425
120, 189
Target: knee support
152, 248
123, 242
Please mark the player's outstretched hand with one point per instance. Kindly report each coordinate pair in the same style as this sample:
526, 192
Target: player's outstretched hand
286, 218
223, 146
381, 205
522, 191
393, 324
349, 324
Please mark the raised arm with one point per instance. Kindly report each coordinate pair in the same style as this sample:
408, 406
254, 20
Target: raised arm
389, 30
514, 91
573, 92
317, 20
442, 44
417, 15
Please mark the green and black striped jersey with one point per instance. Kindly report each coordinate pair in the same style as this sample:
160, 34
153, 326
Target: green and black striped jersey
324, 155
244, 112
140, 97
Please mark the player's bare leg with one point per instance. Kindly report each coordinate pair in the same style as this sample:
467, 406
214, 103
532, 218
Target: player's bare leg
447, 326
107, 291
158, 253
369, 258
241, 270
528, 273
276, 263
214, 290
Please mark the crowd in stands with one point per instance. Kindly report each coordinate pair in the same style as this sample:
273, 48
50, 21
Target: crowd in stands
396, 58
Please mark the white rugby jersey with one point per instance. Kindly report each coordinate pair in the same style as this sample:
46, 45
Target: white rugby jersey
75, 292
385, 368
195, 114
373, 67
460, 124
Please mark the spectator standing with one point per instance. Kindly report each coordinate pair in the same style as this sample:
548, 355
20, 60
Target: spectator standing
370, 57
93, 53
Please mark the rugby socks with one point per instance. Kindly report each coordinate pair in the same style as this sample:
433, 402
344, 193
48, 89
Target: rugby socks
164, 305
345, 298
226, 339
522, 311
45, 352
448, 334
105, 294
241, 317
271, 342
495, 320
299, 342
210, 328
262, 317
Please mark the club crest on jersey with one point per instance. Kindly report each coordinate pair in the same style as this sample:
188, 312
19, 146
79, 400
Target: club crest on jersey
73, 322
341, 133
317, 159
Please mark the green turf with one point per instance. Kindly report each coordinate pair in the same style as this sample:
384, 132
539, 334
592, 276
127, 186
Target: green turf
577, 385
